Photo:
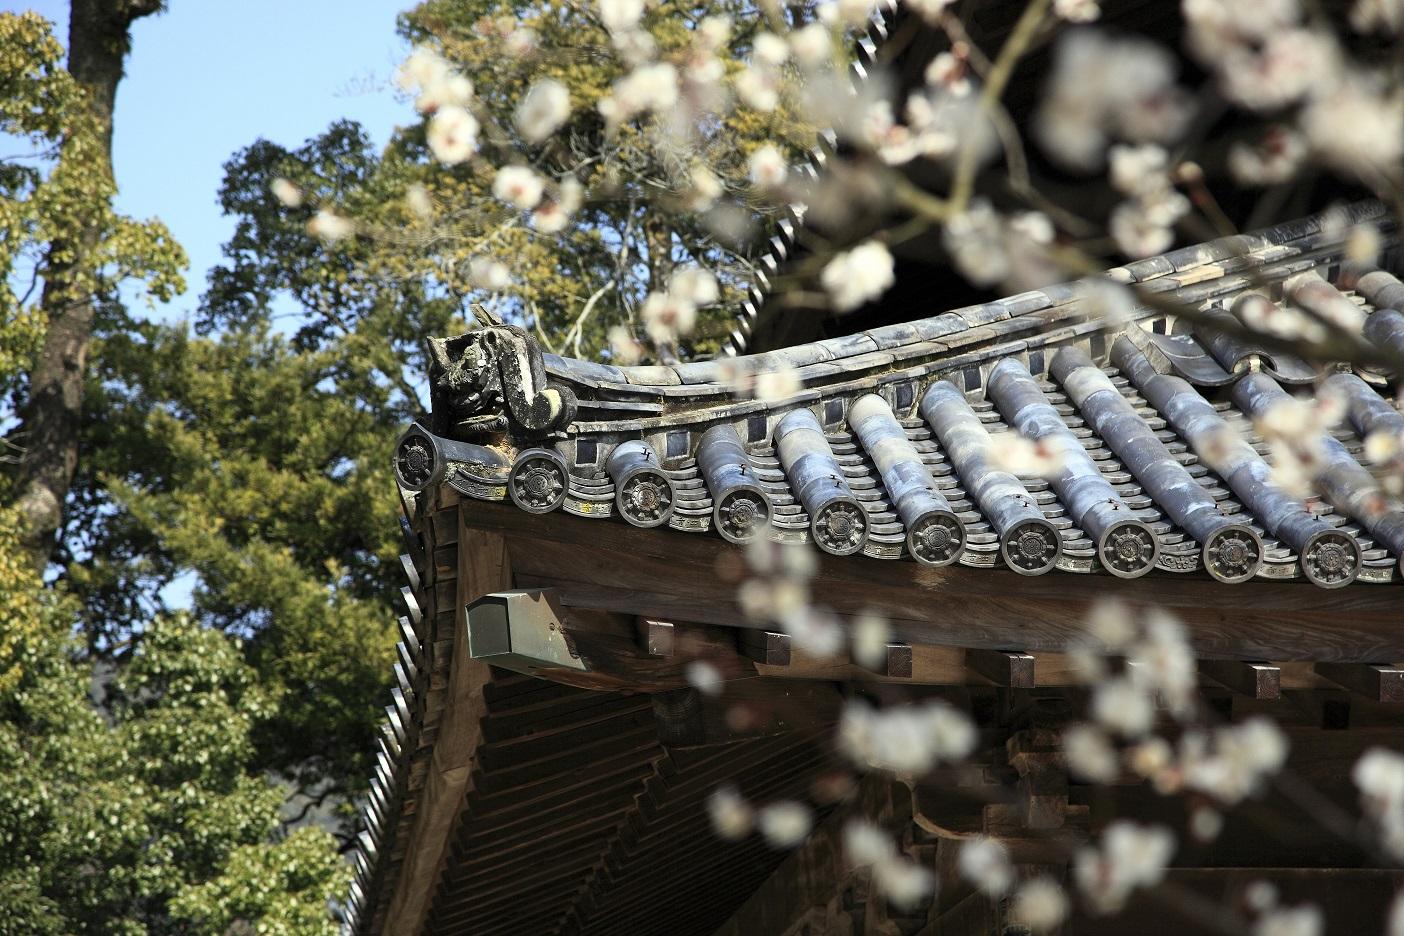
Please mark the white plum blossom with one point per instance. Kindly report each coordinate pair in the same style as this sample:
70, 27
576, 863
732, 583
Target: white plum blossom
777, 386
1302, 920
704, 188
695, 285
518, 186
1077, 11
647, 88
930, 10
759, 87
784, 824
330, 226
1090, 755
1234, 761
438, 84
704, 677
1205, 824
1138, 232
288, 194
624, 348
907, 740
732, 817
621, 15
858, 275
667, 316
1275, 158
542, 110
871, 634
900, 880
1357, 127
1380, 776
552, 215
419, 201
812, 45
1039, 904
713, 32
984, 862
1123, 707
1011, 452
452, 135
1130, 856
816, 633
855, 12
1103, 89
769, 49
1386, 16
520, 43
767, 167
949, 71
975, 241
491, 275
1289, 64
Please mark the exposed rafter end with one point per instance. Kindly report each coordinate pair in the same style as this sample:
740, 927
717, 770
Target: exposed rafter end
1011, 668
1381, 682
1254, 679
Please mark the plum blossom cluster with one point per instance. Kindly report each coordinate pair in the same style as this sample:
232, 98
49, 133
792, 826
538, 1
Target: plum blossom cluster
778, 594
992, 249
1379, 775
902, 881
783, 823
1296, 431
1143, 224
1269, 59
907, 740
1130, 856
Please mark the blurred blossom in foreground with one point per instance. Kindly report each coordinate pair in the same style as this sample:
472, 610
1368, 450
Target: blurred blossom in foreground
900, 880
858, 276
784, 824
1130, 856
542, 110
732, 817
1039, 904
330, 226
907, 740
286, 192
984, 862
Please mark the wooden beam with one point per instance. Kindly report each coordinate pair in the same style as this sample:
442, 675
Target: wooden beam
653, 572
1382, 682
1255, 680
810, 883
657, 638
1009, 668
483, 567
765, 647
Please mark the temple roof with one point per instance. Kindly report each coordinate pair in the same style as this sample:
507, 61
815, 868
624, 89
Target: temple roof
877, 443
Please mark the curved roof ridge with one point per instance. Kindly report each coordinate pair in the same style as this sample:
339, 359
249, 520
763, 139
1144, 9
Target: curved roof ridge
1196, 272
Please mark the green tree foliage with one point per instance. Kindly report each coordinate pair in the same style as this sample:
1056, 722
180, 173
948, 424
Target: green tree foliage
251, 447
133, 798
146, 816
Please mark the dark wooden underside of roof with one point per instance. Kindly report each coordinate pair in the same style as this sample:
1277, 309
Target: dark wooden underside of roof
523, 805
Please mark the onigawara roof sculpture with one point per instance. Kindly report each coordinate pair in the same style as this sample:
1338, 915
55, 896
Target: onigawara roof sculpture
882, 450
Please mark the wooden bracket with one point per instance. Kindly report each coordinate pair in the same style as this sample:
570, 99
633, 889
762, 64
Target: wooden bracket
1382, 682
1011, 668
1253, 679
766, 647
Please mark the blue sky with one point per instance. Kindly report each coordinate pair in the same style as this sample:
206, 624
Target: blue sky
209, 77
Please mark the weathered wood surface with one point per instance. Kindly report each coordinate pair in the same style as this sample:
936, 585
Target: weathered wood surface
661, 574
483, 566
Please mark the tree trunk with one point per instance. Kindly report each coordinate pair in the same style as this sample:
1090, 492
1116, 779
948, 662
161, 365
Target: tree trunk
98, 41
